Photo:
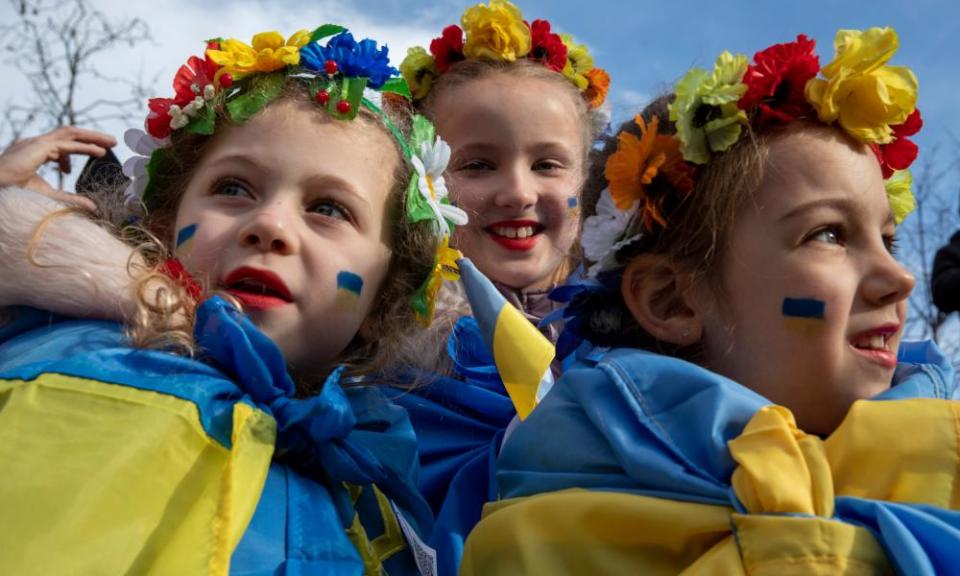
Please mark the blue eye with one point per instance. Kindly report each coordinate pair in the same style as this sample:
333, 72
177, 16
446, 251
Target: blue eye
234, 188
329, 209
830, 235
891, 243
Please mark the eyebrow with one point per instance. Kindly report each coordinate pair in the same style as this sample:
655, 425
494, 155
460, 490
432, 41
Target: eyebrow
839, 204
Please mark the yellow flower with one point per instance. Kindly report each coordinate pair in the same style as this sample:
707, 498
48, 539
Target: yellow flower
579, 62
859, 90
268, 53
900, 194
419, 70
444, 268
495, 32
705, 108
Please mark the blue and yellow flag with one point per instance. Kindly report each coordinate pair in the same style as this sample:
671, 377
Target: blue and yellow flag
522, 354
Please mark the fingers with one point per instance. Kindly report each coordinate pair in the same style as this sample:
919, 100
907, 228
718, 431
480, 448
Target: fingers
40, 186
72, 133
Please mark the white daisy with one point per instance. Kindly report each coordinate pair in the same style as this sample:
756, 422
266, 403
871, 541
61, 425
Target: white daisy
135, 167
430, 165
603, 233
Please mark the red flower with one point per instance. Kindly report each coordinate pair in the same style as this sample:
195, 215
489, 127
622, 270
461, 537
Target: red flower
158, 120
195, 72
448, 48
547, 47
776, 79
900, 153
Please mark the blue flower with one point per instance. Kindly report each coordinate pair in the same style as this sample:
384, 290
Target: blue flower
354, 60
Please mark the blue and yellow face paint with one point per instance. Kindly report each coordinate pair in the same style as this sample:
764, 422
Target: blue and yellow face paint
573, 203
349, 286
184, 236
803, 315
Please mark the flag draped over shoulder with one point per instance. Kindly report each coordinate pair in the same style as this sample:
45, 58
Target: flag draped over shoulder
639, 463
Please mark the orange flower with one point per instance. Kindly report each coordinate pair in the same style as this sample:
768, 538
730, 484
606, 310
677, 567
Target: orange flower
597, 87
635, 164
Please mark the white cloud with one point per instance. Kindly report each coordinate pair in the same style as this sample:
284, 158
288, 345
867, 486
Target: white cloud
179, 27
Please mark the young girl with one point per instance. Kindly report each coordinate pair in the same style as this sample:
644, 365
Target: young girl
520, 107
743, 269
244, 453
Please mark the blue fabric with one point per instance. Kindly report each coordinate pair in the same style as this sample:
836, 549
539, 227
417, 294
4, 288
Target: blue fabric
459, 426
354, 435
354, 59
634, 421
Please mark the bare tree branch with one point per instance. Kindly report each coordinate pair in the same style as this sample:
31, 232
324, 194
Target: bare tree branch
55, 45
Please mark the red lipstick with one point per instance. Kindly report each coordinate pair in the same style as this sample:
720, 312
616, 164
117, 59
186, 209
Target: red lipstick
516, 235
257, 289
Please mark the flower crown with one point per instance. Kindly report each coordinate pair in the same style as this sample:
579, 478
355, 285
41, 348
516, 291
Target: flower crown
240, 80
871, 101
498, 32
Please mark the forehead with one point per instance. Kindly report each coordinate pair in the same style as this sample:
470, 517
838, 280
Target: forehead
505, 107
820, 165
299, 141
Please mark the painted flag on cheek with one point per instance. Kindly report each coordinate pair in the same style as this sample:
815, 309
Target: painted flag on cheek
803, 315
522, 354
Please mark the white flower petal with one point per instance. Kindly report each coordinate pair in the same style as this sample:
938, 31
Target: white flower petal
454, 214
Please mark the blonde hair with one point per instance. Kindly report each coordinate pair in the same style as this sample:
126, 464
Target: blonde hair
165, 310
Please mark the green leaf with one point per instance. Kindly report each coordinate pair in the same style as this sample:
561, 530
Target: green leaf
324, 31
396, 86
900, 194
418, 210
351, 90
153, 167
204, 123
423, 131
262, 91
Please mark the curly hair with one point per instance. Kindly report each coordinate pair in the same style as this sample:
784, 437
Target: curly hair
164, 310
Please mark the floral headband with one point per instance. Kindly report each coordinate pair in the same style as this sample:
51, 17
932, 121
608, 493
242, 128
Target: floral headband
498, 32
871, 101
241, 79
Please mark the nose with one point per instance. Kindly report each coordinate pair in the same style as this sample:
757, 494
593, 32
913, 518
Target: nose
271, 229
517, 188
888, 281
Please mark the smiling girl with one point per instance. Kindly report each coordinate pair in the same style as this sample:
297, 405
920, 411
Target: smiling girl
520, 107
283, 262
745, 293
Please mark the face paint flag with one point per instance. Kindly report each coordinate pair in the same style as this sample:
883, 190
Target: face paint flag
184, 236
522, 354
349, 286
803, 315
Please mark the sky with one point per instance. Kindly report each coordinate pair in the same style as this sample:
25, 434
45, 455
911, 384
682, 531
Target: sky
646, 46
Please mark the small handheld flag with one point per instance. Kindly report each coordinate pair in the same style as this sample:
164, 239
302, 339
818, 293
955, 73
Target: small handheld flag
522, 354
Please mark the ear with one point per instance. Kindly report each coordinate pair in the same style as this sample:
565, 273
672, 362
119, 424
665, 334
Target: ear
660, 297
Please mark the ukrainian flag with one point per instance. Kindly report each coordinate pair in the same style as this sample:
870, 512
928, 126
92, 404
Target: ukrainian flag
522, 354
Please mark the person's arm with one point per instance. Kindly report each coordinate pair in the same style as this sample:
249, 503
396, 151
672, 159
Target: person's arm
78, 268
945, 280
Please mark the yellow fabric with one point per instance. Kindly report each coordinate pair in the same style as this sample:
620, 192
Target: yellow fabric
920, 453
781, 469
597, 533
523, 355
901, 451
107, 479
